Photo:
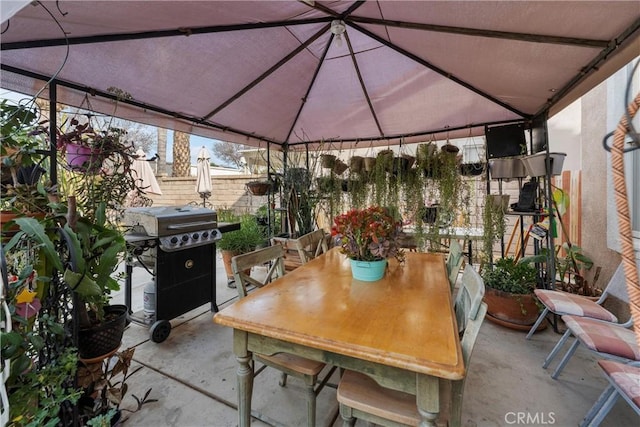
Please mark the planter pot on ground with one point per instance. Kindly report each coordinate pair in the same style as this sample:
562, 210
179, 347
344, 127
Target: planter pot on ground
515, 311
226, 261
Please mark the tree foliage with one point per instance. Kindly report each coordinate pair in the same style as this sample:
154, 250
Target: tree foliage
228, 152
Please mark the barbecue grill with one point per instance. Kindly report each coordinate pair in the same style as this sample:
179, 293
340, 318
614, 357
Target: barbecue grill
176, 244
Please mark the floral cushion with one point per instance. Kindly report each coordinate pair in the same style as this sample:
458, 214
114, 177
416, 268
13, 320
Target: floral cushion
575, 305
604, 337
625, 377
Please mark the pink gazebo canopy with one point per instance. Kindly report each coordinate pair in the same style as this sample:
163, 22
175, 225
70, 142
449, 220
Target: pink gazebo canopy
258, 72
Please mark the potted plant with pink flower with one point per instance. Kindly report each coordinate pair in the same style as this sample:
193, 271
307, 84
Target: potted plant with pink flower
368, 237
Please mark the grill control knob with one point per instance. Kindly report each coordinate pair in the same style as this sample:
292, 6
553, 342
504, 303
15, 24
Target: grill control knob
185, 238
195, 236
205, 234
174, 240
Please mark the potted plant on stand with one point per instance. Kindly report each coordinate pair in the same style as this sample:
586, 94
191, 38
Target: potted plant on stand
368, 237
509, 293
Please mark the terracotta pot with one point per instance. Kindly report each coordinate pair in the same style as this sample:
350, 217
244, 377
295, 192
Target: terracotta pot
518, 310
226, 261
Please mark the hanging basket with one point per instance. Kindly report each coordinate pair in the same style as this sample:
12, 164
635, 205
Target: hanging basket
258, 188
327, 161
339, 167
356, 164
385, 158
83, 159
369, 163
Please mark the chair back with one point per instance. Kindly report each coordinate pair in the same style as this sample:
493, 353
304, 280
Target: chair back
617, 286
311, 245
469, 297
241, 266
454, 262
470, 313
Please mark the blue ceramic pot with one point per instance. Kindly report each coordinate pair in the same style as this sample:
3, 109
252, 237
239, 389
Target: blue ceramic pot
368, 271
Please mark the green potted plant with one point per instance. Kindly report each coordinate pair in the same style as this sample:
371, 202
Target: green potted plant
94, 251
368, 237
241, 241
23, 191
509, 293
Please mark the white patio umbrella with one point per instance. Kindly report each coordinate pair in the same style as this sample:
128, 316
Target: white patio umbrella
203, 174
142, 172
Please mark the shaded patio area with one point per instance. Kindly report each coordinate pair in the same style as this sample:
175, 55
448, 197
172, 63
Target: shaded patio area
193, 376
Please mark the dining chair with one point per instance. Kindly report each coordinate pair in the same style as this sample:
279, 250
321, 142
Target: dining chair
562, 303
361, 397
624, 380
608, 340
287, 364
454, 262
301, 250
311, 245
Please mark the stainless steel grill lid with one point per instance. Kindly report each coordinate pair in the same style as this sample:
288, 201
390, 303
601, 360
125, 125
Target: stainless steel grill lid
170, 220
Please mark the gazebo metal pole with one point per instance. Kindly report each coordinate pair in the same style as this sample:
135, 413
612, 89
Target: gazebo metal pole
53, 124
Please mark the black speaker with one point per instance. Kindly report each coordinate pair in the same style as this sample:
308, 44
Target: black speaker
505, 141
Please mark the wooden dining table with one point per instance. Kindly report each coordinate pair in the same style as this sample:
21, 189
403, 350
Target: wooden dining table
400, 330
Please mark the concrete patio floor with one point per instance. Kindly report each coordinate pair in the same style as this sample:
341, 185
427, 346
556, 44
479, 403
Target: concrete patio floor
192, 375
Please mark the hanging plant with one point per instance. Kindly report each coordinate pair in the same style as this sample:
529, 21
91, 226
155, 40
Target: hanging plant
493, 223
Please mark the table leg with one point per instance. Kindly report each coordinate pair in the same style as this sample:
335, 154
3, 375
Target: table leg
245, 377
428, 399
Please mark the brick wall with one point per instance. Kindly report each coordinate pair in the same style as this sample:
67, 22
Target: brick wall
228, 192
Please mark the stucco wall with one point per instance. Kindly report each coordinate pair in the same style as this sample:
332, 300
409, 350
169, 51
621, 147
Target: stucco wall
594, 189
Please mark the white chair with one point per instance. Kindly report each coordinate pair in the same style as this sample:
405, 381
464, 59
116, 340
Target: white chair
360, 397
624, 380
288, 364
564, 303
454, 262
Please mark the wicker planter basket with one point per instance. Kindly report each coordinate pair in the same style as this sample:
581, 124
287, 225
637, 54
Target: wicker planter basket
258, 188
106, 337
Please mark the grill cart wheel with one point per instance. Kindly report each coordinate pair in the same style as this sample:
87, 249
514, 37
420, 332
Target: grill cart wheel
160, 330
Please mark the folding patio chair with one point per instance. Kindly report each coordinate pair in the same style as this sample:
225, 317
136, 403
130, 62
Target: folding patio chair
288, 364
608, 340
362, 398
562, 303
624, 380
